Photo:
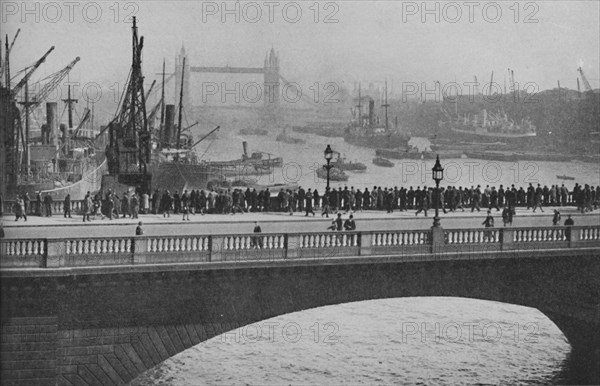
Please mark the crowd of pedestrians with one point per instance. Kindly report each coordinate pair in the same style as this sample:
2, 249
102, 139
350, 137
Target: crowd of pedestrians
129, 204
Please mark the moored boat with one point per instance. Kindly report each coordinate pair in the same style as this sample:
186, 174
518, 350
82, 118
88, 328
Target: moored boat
565, 177
380, 161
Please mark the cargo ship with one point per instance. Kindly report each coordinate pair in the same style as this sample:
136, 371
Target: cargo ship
53, 158
367, 130
484, 126
402, 153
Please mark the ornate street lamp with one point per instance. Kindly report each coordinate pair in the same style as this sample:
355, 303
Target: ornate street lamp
328, 156
438, 174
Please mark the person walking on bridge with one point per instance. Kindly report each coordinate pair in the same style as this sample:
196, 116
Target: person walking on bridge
424, 201
257, 240
489, 223
87, 207
568, 223
309, 204
67, 206
556, 217
20, 209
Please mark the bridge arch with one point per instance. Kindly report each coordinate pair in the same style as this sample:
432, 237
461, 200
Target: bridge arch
340, 341
108, 325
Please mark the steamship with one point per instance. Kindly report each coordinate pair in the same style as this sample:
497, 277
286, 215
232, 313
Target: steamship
368, 131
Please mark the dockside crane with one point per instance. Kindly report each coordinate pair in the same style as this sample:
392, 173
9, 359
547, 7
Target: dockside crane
586, 84
8, 50
54, 81
128, 152
25, 79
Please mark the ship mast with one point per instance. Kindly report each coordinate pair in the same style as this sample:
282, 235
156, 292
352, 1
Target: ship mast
386, 105
180, 104
69, 101
359, 107
26, 103
162, 105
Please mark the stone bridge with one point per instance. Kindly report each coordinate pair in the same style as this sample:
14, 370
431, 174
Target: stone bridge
103, 310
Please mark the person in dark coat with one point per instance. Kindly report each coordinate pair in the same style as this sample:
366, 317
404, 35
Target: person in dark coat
489, 223
349, 224
48, 205
87, 207
67, 206
257, 241
337, 224
507, 215
138, 230
556, 217
309, 204
568, 223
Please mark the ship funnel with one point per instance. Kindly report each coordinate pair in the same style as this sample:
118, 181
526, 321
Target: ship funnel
51, 121
371, 111
245, 146
169, 124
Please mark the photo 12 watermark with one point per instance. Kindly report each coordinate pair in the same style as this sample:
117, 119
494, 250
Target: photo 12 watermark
468, 332
286, 332
68, 11
470, 12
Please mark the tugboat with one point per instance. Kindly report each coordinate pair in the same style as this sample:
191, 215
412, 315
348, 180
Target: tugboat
255, 159
334, 174
342, 164
380, 161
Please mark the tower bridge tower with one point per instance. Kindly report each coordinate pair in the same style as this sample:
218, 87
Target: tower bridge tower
271, 84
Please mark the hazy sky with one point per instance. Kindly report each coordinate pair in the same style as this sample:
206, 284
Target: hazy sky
367, 40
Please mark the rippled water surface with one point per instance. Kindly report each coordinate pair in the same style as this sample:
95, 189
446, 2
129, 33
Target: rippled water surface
410, 340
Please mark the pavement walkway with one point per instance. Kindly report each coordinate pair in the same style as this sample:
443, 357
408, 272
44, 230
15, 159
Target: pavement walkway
58, 226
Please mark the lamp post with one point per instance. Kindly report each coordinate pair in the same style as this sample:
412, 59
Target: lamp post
328, 155
438, 174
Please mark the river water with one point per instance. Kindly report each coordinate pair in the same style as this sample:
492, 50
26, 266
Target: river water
301, 162
408, 341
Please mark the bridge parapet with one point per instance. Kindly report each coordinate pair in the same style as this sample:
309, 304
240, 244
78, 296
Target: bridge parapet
139, 250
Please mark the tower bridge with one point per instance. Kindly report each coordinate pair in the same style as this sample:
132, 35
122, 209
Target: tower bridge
270, 71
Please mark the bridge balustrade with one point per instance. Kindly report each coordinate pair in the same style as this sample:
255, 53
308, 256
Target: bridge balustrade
22, 253
591, 233
472, 236
404, 244
97, 251
166, 249
523, 235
